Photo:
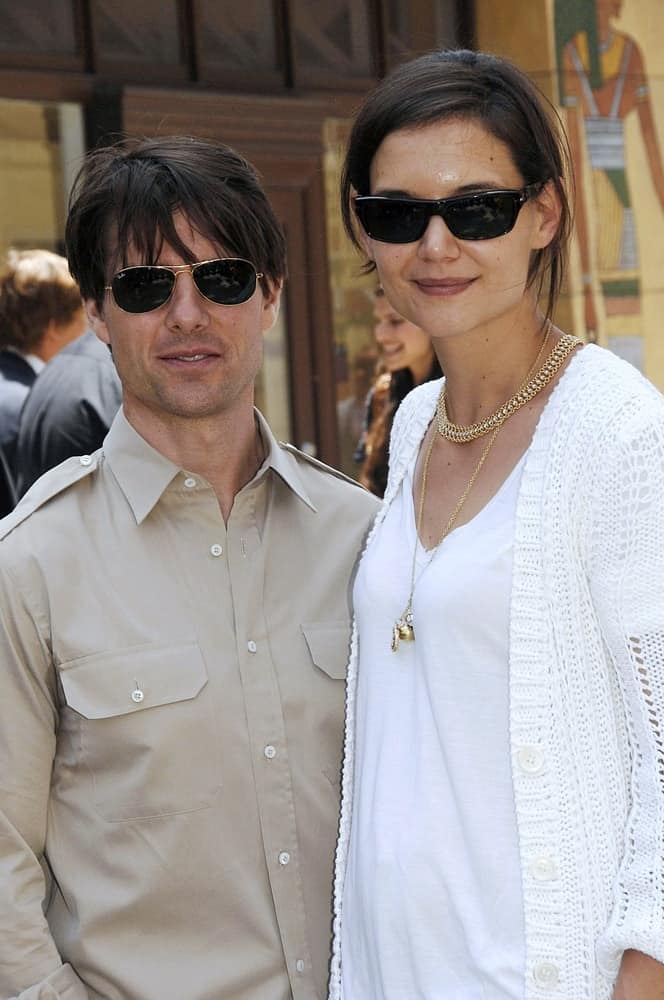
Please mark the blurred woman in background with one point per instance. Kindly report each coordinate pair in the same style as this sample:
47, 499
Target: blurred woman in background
407, 359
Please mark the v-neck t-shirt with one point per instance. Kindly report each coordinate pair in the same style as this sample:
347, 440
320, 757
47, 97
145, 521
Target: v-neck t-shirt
433, 897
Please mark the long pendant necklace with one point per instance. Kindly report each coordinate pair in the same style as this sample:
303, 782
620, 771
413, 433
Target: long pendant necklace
404, 627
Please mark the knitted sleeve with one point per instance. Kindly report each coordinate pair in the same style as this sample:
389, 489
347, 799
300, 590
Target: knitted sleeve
627, 585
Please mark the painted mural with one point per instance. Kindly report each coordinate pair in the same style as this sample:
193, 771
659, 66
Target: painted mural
603, 80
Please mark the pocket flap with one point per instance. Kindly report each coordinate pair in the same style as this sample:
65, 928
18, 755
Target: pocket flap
329, 646
132, 679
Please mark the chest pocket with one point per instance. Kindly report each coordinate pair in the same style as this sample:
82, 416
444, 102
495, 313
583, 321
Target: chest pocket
329, 646
144, 728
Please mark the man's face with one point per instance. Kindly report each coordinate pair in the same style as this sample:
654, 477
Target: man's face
190, 359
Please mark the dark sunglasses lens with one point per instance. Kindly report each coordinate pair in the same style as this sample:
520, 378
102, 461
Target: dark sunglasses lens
391, 220
226, 282
482, 217
141, 289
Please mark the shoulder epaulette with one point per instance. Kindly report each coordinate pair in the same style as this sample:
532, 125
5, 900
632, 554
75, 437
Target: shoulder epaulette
52, 483
316, 462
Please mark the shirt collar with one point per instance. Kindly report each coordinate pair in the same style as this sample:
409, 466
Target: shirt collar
37, 364
144, 474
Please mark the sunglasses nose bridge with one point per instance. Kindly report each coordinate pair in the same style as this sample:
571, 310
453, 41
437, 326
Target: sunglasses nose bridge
178, 270
437, 235
192, 293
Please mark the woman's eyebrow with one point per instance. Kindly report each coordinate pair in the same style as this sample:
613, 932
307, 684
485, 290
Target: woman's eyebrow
473, 188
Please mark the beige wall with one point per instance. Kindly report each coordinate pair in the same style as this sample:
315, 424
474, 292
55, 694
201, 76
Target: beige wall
525, 33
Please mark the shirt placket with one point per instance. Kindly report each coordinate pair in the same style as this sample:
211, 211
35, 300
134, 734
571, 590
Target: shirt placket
267, 733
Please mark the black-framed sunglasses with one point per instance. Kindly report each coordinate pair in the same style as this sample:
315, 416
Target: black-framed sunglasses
227, 281
483, 215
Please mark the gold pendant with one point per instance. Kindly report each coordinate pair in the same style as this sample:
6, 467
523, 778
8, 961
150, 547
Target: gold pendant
403, 629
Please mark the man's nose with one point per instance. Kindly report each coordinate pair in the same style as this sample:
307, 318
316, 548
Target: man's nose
186, 306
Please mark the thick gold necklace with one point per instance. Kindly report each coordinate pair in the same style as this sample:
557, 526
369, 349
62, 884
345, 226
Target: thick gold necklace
404, 628
461, 434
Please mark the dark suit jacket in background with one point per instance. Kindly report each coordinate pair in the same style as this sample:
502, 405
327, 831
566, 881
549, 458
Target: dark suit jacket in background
16, 377
69, 409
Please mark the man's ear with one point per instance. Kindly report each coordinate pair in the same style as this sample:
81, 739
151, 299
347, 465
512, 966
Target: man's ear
96, 321
271, 302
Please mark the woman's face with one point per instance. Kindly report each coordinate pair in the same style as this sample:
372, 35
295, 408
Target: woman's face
445, 285
401, 343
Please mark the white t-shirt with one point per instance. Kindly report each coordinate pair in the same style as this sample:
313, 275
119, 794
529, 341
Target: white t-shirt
433, 897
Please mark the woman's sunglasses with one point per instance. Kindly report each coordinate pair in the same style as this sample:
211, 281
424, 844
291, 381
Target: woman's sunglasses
481, 216
228, 281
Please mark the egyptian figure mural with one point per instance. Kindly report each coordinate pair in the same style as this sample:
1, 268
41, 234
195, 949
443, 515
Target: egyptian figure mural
603, 80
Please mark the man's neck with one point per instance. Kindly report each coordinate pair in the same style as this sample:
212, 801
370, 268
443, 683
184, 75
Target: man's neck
226, 450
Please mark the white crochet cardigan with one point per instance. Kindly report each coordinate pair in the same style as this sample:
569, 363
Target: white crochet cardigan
586, 672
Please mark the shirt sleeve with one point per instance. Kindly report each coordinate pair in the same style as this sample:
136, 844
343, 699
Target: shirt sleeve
28, 717
627, 586
64, 984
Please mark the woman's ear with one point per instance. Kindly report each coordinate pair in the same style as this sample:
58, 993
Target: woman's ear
365, 241
549, 210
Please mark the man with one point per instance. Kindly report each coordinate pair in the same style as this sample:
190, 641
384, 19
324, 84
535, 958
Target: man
68, 410
174, 626
40, 312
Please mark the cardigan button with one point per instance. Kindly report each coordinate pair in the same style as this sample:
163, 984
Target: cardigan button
543, 868
530, 759
547, 975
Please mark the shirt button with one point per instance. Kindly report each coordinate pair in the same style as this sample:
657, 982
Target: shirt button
85, 459
251, 646
137, 696
299, 965
216, 550
284, 858
269, 751
530, 760
546, 974
543, 869
189, 483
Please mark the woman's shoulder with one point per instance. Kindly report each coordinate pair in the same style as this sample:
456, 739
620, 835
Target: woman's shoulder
609, 382
606, 406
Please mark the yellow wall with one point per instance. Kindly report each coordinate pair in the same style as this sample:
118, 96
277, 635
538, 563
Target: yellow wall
525, 33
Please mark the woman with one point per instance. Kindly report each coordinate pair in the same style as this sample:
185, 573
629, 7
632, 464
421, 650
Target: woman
503, 792
407, 359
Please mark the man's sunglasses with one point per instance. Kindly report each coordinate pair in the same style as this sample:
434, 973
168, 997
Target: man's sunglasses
481, 216
228, 281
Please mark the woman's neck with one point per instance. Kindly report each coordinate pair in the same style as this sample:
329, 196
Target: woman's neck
485, 368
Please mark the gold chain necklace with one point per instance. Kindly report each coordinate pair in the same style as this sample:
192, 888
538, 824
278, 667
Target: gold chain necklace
460, 434
404, 627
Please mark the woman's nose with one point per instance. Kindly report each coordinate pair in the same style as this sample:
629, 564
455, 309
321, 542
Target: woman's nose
437, 240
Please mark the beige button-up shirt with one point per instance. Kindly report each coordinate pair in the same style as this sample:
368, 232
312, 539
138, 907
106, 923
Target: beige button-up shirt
171, 704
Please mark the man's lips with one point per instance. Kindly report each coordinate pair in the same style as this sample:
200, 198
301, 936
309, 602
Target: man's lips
190, 355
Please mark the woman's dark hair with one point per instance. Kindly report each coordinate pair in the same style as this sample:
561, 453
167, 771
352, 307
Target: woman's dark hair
492, 91
126, 194
384, 400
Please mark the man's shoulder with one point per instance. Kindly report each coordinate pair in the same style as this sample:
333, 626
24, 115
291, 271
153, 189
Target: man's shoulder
53, 484
328, 479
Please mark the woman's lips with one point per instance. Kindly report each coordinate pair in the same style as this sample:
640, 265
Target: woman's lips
443, 287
